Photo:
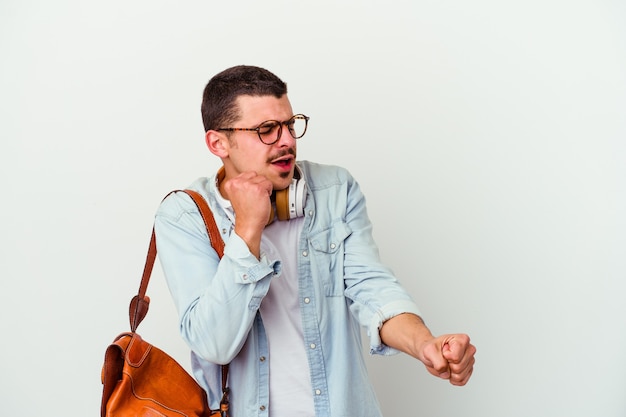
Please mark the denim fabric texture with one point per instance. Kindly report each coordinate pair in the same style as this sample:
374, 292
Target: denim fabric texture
343, 288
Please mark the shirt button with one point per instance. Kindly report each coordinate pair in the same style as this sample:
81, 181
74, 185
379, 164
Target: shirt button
305, 253
244, 276
312, 345
262, 358
223, 231
333, 246
311, 213
318, 392
262, 408
307, 300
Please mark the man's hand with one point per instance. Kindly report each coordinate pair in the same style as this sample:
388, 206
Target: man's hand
249, 193
448, 357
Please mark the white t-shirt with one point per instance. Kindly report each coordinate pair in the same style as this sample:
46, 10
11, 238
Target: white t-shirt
291, 393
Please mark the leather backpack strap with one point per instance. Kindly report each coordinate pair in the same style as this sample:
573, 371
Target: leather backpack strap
218, 244
141, 302
209, 221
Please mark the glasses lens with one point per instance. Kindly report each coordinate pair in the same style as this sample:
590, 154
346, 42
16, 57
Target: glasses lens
269, 131
297, 126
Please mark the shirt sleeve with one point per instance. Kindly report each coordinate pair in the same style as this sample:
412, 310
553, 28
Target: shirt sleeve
216, 299
375, 293
383, 314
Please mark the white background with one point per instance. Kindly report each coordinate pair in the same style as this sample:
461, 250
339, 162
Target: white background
488, 136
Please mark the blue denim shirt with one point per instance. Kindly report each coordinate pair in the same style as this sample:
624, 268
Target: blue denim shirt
342, 286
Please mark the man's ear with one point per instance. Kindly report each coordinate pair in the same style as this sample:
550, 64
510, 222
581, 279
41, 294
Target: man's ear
217, 143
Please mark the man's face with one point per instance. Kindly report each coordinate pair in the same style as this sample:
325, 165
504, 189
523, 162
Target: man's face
247, 153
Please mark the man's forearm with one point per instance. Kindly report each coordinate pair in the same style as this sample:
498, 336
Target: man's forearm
406, 333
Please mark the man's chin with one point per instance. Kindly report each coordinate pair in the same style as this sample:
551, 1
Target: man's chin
285, 182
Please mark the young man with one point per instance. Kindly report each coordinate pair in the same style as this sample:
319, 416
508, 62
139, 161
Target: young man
286, 303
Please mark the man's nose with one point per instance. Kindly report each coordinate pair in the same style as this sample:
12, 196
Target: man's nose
286, 139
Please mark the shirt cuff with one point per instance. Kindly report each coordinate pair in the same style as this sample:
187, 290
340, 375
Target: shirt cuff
377, 347
251, 269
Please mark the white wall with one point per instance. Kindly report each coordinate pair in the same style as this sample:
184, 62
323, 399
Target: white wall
487, 135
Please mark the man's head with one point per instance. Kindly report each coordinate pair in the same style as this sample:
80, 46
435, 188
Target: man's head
219, 101
236, 104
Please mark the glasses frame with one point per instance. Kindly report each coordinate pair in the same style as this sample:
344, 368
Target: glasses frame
280, 128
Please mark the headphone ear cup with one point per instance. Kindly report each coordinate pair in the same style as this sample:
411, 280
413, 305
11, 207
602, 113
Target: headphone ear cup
270, 220
282, 204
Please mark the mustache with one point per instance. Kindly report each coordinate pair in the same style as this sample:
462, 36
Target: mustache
282, 153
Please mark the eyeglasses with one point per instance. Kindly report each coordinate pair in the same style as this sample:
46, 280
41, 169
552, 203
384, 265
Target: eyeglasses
270, 131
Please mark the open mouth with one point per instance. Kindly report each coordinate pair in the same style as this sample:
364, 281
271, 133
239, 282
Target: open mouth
283, 163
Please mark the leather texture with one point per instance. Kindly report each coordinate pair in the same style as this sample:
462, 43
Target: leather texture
141, 380
148, 382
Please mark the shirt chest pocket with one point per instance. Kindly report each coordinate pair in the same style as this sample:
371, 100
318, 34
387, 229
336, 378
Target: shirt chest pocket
328, 257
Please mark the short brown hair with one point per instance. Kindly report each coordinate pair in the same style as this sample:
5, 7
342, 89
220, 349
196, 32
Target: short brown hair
219, 100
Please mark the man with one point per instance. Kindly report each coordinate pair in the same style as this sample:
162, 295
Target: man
285, 304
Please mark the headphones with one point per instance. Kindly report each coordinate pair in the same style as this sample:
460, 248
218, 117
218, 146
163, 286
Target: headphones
287, 204
290, 201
